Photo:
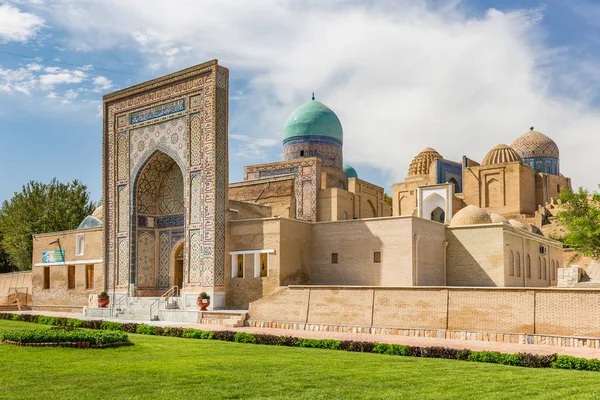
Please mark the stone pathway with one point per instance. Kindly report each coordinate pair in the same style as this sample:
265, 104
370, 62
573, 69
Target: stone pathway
406, 340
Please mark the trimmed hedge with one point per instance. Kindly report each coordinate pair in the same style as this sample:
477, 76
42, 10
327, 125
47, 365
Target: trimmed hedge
64, 335
520, 359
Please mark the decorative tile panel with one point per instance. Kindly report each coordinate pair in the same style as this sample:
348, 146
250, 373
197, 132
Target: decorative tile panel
146, 267
196, 260
196, 138
164, 255
157, 111
123, 261
123, 208
123, 156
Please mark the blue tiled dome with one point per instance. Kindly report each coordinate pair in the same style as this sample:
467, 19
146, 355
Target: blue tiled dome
313, 119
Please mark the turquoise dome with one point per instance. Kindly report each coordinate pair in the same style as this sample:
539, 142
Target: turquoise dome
350, 171
313, 119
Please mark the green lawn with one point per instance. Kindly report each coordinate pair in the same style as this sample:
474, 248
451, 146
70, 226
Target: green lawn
175, 368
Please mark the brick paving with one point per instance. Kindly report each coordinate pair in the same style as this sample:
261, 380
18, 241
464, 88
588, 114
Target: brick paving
584, 352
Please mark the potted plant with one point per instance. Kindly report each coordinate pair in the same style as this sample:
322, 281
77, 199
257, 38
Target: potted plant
103, 300
203, 301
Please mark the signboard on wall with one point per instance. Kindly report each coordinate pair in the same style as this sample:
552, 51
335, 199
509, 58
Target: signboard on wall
53, 256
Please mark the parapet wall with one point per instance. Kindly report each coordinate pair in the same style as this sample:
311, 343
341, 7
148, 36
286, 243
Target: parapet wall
561, 312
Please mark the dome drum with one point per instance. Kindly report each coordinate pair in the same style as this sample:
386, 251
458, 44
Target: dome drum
331, 155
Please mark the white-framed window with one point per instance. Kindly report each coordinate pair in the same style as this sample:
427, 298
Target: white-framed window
261, 265
80, 244
237, 265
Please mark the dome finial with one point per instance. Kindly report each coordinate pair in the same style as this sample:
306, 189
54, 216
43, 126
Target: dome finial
313, 96
531, 128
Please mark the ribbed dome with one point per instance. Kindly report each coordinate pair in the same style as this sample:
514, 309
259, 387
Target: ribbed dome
421, 164
313, 118
498, 218
501, 154
534, 144
471, 215
350, 171
90, 222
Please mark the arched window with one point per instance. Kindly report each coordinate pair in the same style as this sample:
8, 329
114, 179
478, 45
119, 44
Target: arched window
518, 263
511, 270
455, 183
539, 267
438, 215
528, 266
544, 274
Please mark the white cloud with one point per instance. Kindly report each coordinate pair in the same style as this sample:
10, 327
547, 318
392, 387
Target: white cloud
16, 25
71, 94
101, 83
400, 74
60, 76
19, 80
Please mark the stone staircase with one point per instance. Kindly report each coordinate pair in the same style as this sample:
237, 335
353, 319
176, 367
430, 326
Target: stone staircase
226, 318
138, 309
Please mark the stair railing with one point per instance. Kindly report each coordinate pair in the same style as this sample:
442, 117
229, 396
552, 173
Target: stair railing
173, 292
120, 302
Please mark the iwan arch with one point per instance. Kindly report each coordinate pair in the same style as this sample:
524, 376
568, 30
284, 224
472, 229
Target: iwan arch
171, 218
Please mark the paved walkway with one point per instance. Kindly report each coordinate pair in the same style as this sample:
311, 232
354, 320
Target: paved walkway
406, 340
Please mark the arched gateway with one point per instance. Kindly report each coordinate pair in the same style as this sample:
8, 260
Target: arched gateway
165, 184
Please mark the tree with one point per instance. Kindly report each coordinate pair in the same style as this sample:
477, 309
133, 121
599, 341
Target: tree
5, 264
41, 208
579, 213
387, 199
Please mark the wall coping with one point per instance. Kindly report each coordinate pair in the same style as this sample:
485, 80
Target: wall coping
37, 235
454, 288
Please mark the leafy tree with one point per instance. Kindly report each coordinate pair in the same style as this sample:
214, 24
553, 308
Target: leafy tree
41, 208
5, 264
579, 213
387, 199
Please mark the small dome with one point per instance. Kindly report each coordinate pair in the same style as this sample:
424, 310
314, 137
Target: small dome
498, 218
421, 164
99, 212
534, 144
519, 225
350, 171
90, 222
471, 215
313, 118
501, 154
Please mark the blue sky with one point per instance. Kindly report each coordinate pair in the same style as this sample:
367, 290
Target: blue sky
458, 76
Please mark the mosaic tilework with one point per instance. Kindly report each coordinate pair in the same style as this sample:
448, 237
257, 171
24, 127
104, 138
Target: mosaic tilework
146, 276
196, 139
123, 261
534, 144
176, 236
150, 181
196, 101
196, 260
193, 82
123, 208
157, 111
122, 156
306, 183
164, 254
170, 193
197, 202
170, 221
169, 135
121, 121
221, 178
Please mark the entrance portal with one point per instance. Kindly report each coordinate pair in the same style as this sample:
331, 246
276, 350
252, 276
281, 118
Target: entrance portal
178, 266
159, 215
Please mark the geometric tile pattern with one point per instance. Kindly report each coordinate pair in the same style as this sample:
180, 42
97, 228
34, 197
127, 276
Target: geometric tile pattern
150, 186
164, 255
170, 194
122, 156
330, 154
221, 178
196, 139
196, 207
534, 144
165, 135
170, 221
195, 256
123, 261
146, 267
123, 208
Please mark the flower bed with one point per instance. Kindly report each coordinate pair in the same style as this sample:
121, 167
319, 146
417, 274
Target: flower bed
78, 338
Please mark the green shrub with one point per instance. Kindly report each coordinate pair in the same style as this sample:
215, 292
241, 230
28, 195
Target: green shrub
144, 329
75, 323
46, 320
582, 364
111, 326
392, 349
243, 337
62, 335
191, 333
173, 332
319, 344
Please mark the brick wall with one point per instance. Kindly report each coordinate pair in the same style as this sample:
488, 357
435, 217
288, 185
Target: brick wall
566, 312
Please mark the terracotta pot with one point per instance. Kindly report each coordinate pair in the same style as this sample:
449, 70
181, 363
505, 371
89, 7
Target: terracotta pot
203, 303
102, 303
